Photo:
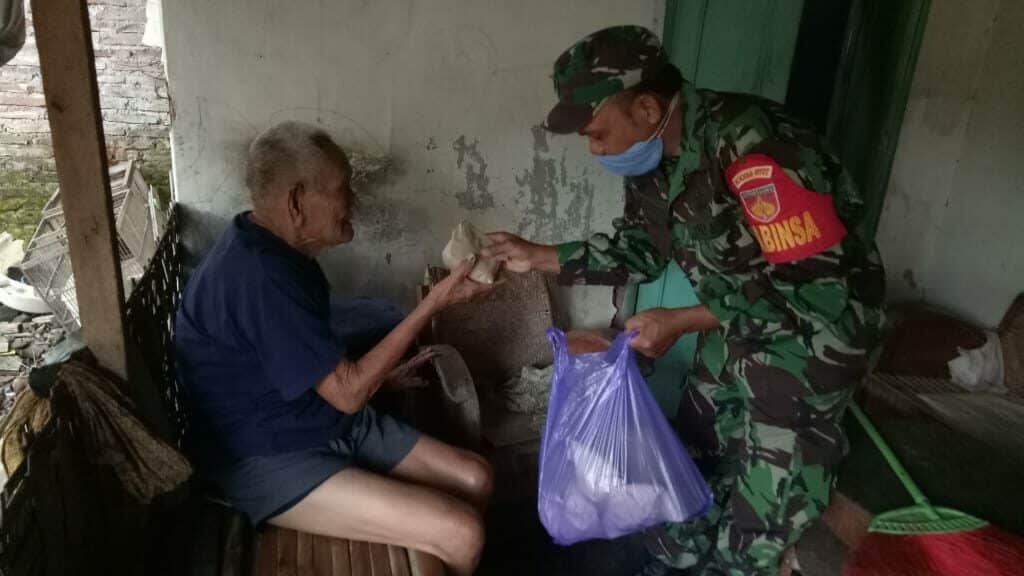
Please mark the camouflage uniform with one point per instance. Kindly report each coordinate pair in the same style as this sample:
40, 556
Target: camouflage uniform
762, 407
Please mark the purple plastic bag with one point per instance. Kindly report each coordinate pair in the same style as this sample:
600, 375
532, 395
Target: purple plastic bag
610, 463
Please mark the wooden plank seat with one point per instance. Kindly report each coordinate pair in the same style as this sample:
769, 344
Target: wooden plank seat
288, 552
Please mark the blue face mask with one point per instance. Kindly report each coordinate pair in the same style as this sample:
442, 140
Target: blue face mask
641, 157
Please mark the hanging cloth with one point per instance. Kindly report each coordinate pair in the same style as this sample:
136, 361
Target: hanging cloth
12, 29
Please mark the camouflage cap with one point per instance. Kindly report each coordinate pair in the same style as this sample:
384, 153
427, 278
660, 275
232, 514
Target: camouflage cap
604, 63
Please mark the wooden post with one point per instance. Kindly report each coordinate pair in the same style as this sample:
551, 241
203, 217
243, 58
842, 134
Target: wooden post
72, 103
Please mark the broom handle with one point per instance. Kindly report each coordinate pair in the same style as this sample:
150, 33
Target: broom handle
890, 457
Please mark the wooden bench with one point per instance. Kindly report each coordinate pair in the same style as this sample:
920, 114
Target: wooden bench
283, 551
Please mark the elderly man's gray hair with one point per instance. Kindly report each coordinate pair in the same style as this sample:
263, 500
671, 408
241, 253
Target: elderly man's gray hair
287, 154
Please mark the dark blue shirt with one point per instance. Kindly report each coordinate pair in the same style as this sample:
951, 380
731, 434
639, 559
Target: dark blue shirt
253, 338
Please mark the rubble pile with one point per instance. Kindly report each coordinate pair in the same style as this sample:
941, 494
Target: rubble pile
24, 338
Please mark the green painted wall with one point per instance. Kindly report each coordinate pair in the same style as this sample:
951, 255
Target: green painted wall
734, 45
872, 87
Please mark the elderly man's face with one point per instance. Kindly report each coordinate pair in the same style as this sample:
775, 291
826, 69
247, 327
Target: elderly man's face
328, 209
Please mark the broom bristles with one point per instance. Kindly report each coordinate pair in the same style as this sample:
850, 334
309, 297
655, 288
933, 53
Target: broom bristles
890, 555
988, 551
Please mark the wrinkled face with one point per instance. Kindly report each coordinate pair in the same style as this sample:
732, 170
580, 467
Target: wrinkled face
623, 120
327, 208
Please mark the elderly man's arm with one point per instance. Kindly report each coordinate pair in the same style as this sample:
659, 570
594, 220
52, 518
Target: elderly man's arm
352, 383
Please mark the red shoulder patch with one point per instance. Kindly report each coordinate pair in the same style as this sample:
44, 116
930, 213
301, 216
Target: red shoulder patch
789, 221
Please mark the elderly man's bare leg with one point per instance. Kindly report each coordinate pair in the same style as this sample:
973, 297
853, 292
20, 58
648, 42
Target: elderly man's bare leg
458, 472
360, 505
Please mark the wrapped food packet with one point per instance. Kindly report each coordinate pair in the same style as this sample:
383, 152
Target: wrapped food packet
467, 241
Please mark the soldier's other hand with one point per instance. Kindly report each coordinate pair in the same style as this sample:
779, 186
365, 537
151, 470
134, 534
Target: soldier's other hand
658, 329
521, 255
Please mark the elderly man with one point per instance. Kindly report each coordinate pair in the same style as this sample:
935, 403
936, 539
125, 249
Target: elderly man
763, 220
281, 423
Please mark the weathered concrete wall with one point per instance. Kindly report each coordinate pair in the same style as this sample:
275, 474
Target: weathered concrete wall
133, 98
453, 90
951, 230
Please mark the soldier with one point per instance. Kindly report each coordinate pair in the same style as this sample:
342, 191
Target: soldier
763, 220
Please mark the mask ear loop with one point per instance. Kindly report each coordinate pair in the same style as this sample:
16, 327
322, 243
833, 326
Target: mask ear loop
666, 119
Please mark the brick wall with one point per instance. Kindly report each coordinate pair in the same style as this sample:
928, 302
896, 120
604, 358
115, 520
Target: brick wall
133, 98
133, 90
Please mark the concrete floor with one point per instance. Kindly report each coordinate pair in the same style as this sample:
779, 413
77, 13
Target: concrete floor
820, 553
518, 544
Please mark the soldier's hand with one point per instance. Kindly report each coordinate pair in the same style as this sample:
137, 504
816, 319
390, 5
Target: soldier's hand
659, 328
521, 255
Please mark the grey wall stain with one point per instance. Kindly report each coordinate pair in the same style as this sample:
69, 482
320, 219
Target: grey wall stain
537, 185
580, 210
477, 195
379, 218
540, 138
431, 144
546, 184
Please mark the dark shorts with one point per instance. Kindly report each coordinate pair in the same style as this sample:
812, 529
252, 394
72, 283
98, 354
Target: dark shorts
265, 486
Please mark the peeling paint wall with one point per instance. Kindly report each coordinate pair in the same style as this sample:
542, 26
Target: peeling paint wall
452, 90
951, 231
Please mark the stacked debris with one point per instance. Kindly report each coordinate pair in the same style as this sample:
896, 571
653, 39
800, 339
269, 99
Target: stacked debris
24, 338
139, 221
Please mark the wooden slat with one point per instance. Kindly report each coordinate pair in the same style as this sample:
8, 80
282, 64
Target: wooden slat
341, 558
360, 558
233, 550
423, 564
287, 546
266, 555
322, 562
304, 554
64, 44
380, 560
287, 552
399, 561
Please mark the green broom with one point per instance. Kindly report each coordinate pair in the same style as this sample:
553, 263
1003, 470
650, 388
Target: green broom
926, 540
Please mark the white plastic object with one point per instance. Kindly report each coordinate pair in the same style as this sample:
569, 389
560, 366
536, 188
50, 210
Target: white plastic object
980, 369
21, 297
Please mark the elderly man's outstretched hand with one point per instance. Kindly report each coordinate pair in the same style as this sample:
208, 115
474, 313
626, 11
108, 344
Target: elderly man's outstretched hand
457, 287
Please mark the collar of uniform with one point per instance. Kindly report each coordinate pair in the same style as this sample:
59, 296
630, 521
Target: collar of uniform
692, 141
